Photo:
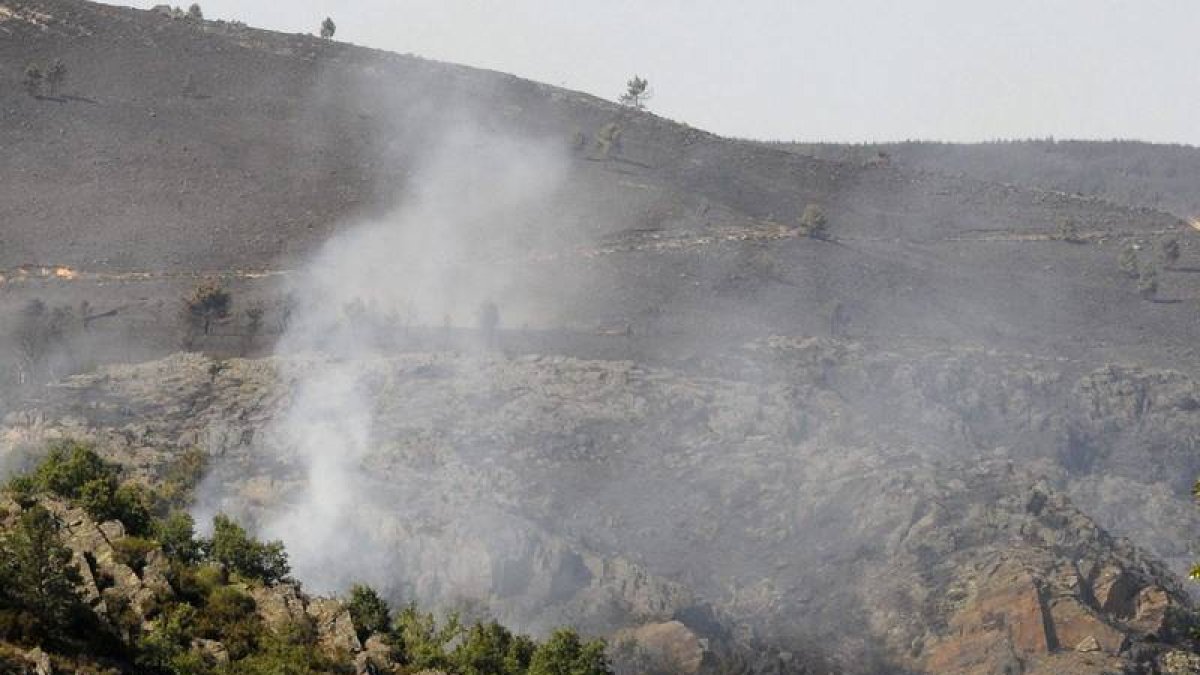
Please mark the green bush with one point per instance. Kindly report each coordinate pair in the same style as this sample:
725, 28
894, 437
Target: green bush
368, 611
39, 582
233, 547
491, 649
228, 615
814, 223
176, 534
565, 654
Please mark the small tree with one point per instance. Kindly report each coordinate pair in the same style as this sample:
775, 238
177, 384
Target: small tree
565, 654
56, 75
207, 303
39, 578
368, 611
328, 28
636, 93
34, 80
1068, 231
194, 12
608, 140
1168, 251
233, 547
1127, 261
814, 223
1148, 283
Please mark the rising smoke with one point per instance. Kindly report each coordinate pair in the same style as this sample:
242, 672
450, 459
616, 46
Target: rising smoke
448, 249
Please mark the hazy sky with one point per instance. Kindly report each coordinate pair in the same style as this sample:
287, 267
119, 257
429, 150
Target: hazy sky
818, 69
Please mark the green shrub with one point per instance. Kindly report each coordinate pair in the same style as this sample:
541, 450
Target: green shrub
368, 611
814, 223
176, 533
228, 615
491, 649
39, 581
422, 642
1068, 231
233, 547
131, 551
565, 654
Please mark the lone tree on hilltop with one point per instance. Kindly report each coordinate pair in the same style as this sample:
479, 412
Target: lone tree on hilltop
194, 12
328, 28
636, 93
1127, 261
1168, 251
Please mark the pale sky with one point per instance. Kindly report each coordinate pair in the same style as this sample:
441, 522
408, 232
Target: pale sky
844, 70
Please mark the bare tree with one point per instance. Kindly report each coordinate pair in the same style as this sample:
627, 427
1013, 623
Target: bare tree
207, 304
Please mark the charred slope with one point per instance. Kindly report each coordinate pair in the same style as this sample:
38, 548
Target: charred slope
178, 147
1125, 172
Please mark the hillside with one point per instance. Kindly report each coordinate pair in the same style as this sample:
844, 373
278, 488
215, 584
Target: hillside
1123, 172
495, 346
276, 142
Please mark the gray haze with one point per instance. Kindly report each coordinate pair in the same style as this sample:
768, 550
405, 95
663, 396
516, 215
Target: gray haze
859, 70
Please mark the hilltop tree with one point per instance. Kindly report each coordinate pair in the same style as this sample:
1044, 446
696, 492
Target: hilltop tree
1168, 251
636, 93
328, 28
1127, 261
194, 12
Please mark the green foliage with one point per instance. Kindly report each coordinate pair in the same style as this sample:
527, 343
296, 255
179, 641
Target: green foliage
423, 642
328, 28
228, 615
177, 535
491, 649
73, 471
168, 646
233, 547
131, 551
368, 611
179, 480
814, 222
39, 599
1127, 261
565, 654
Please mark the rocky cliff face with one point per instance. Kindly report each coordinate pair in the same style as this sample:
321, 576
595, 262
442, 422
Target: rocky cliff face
823, 498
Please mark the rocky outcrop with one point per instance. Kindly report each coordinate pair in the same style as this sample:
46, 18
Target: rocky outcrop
796, 488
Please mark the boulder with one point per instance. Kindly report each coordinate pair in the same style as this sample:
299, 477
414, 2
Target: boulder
670, 645
335, 629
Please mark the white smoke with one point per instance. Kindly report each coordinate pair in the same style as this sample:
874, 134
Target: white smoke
432, 261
